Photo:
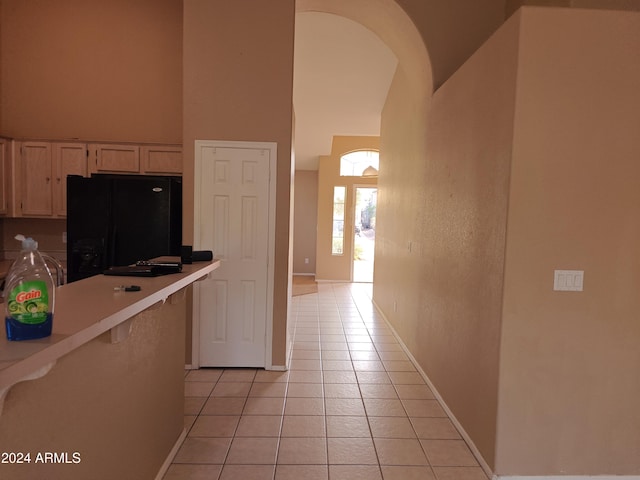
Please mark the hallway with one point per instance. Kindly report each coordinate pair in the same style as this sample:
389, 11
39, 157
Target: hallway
351, 407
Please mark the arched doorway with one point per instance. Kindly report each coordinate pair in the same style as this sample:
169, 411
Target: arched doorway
390, 23
339, 222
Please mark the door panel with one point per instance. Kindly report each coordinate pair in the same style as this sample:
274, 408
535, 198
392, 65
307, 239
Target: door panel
36, 175
70, 159
232, 219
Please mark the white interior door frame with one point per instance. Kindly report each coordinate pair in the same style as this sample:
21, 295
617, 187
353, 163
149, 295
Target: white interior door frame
273, 151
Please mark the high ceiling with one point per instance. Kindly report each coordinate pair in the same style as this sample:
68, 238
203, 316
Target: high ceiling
342, 73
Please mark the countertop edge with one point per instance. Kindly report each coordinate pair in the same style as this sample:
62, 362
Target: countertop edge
20, 369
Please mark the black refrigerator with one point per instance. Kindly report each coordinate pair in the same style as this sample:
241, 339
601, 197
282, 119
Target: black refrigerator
116, 220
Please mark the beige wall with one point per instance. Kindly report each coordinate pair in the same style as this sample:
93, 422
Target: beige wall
92, 70
397, 275
451, 31
444, 217
442, 231
305, 227
89, 70
434, 245
1, 96
48, 234
238, 84
630, 5
568, 374
114, 71
120, 411
338, 267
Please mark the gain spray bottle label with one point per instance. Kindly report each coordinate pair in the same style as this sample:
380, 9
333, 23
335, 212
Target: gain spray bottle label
29, 302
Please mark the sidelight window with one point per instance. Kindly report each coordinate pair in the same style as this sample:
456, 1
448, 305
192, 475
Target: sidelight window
337, 243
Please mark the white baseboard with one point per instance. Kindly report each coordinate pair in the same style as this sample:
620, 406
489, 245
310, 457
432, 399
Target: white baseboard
454, 420
304, 274
467, 438
167, 463
567, 477
278, 368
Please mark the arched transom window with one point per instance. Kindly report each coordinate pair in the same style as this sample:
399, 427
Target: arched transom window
361, 163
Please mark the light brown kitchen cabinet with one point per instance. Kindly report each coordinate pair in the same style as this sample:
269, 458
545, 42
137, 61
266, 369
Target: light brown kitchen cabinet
5, 176
135, 159
36, 174
43, 171
8, 205
69, 159
115, 158
161, 159
33, 174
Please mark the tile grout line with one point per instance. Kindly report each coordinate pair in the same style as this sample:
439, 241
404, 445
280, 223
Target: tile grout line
375, 448
395, 388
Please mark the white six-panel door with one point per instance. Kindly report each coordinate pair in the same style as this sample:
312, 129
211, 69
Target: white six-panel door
233, 218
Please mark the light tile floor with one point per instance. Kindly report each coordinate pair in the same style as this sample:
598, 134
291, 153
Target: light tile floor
352, 406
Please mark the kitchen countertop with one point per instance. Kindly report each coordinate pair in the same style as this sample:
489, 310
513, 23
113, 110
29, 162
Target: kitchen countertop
86, 309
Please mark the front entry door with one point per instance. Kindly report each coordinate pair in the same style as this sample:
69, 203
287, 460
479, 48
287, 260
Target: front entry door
232, 218
364, 238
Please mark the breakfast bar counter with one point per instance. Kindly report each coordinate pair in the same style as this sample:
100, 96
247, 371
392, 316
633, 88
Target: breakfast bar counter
102, 397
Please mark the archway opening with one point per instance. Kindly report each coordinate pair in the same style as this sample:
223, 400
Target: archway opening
389, 24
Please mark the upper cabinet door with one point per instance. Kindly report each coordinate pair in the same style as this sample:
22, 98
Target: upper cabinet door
4, 177
117, 158
161, 159
36, 179
69, 159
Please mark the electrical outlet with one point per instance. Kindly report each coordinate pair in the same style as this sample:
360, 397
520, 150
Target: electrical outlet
568, 280
64, 237
306, 260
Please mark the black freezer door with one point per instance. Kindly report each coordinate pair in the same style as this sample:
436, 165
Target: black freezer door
88, 224
146, 219
116, 220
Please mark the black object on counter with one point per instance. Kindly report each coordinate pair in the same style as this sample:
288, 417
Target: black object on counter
188, 255
185, 253
202, 256
145, 269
